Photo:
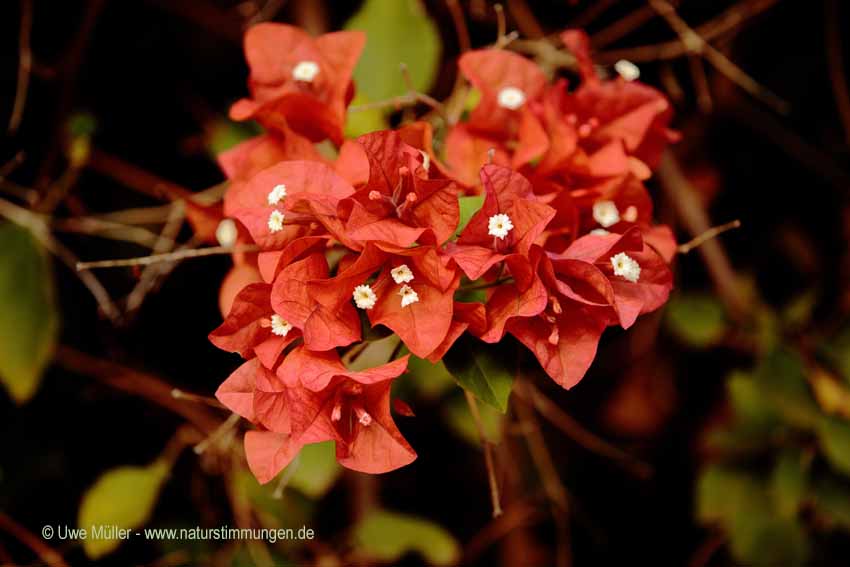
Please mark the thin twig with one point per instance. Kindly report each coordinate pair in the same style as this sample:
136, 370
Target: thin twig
701, 84
11, 165
694, 218
488, 455
217, 434
24, 66
622, 27
835, 58
712, 232
169, 257
525, 19
137, 383
47, 554
501, 23
695, 44
575, 431
179, 394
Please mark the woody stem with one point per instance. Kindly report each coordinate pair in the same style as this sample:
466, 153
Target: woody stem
488, 455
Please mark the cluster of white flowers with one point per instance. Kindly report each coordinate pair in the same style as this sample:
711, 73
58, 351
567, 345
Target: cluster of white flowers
365, 297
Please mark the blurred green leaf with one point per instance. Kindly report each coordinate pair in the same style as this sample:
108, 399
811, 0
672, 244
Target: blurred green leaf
740, 503
398, 31
28, 321
387, 536
483, 369
376, 353
696, 319
459, 418
780, 378
834, 437
788, 483
317, 470
124, 497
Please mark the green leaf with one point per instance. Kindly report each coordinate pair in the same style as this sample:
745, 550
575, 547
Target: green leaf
468, 207
723, 493
834, 437
762, 540
781, 380
398, 31
696, 319
387, 536
317, 469
459, 418
788, 483
485, 370
122, 497
224, 134
289, 509
28, 320
837, 351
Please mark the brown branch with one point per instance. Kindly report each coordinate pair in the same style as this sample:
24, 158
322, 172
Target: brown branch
726, 22
622, 27
516, 516
835, 59
695, 44
525, 19
459, 22
488, 455
136, 383
168, 257
136, 178
575, 431
591, 13
47, 554
24, 67
692, 214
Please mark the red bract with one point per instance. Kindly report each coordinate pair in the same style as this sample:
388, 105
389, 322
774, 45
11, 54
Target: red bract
313, 398
509, 222
299, 81
399, 204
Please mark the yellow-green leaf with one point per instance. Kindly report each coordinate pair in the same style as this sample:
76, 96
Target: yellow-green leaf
485, 370
386, 536
398, 31
696, 319
123, 497
28, 319
459, 417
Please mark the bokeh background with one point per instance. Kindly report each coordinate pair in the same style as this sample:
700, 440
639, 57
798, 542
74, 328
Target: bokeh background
714, 432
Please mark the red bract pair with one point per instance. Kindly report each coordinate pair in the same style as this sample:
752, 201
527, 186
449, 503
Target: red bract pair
562, 244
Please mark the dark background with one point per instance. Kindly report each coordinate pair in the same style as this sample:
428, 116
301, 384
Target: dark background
155, 74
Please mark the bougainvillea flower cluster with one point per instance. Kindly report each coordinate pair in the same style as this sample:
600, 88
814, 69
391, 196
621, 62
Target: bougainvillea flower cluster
370, 240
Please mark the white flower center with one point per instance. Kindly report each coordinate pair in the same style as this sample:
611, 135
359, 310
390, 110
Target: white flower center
630, 214
606, 213
599, 232
426, 160
275, 221
499, 226
511, 98
226, 232
277, 194
364, 297
280, 326
401, 274
305, 71
626, 267
628, 70
408, 295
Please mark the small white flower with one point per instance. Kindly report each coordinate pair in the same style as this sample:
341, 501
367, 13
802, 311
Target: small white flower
499, 226
401, 274
628, 70
408, 295
280, 326
275, 221
364, 297
599, 232
277, 194
511, 98
630, 214
226, 232
626, 267
606, 213
305, 71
